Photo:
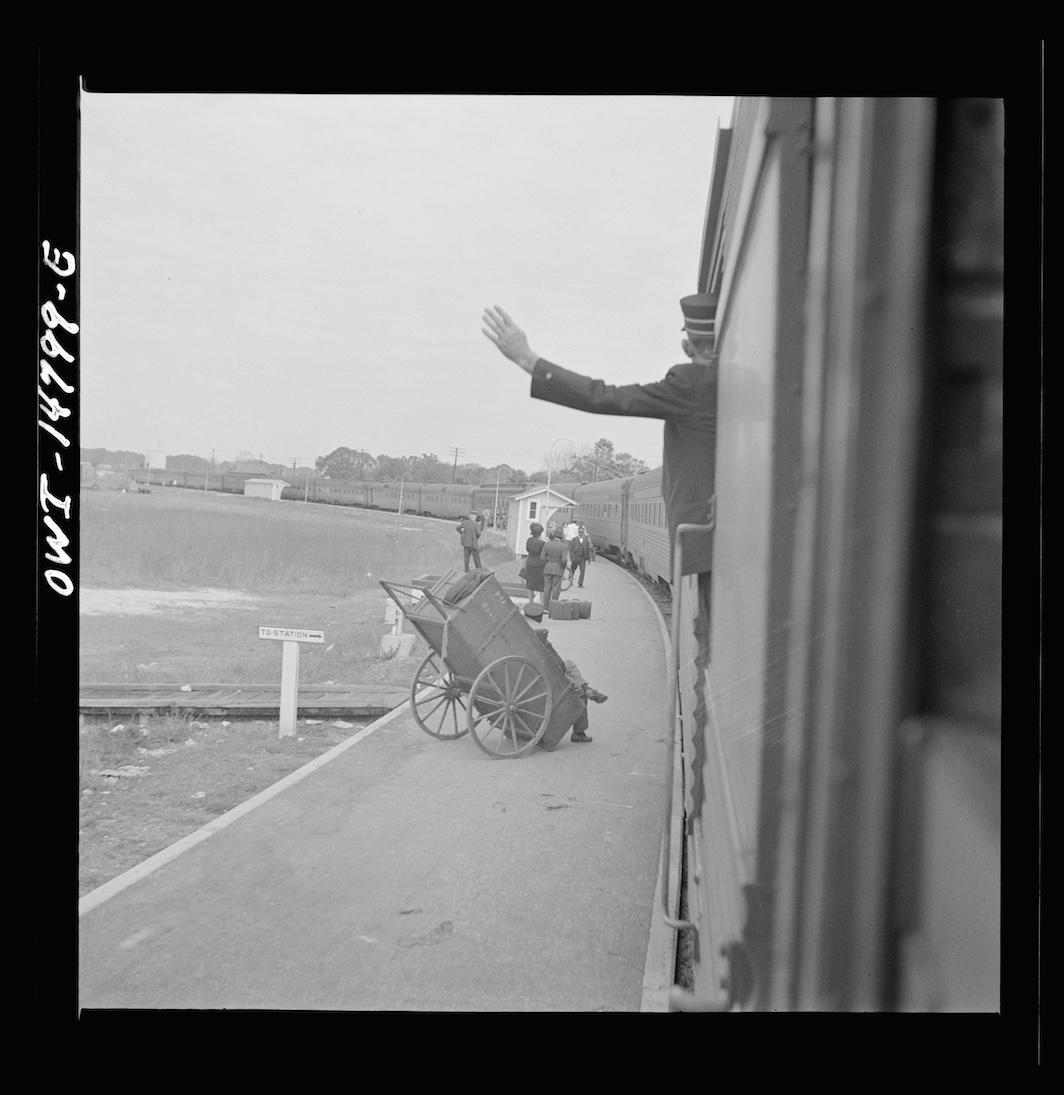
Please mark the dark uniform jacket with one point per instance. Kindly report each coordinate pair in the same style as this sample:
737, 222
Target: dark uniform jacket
556, 552
687, 400
579, 550
470, 531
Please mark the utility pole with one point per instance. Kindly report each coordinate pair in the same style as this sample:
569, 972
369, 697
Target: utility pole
454, 470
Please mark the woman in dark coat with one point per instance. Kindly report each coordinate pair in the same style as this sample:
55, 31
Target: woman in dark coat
535, 562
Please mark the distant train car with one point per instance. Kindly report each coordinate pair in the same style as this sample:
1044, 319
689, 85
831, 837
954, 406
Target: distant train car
645, 542
447, 500
603, 510
493, 500
389, 495
342, 492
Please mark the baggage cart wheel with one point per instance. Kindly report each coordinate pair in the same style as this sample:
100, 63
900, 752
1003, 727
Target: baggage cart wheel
435, 699
509, 707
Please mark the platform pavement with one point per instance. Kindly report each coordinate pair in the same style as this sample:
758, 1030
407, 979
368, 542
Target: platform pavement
402, 873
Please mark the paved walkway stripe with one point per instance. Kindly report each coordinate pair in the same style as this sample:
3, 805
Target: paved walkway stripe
108, 890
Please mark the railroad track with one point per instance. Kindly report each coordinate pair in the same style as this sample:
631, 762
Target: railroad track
237, 700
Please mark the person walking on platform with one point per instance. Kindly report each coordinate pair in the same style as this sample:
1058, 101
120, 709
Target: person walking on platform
469, 530
556, 554
591, 552
687, 401
579, 554
535, 561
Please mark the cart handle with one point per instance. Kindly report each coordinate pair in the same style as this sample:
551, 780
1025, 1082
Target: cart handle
391, 587
674, 690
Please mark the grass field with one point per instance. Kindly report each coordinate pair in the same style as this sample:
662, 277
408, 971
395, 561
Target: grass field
144, 786
175, 538
282, 563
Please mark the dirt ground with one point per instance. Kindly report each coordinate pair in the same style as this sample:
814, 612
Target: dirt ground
139, 602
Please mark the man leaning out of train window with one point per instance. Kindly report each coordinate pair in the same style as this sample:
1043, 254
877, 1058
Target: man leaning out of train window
686, 399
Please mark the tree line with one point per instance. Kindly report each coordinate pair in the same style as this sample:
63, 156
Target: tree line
588, 464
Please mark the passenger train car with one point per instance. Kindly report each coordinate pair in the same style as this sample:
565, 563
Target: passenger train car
839, 739
626, 518
444, 500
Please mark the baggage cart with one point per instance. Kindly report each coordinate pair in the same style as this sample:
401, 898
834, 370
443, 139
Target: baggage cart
488, 673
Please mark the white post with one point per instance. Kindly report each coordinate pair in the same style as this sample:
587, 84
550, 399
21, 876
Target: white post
291, 637
289, 688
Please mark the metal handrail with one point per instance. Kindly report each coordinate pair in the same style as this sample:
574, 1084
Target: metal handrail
674, 689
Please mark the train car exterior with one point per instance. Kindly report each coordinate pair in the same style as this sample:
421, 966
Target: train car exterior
342, 492
841, 734
443, 500
646, 539
388, 496
602, 509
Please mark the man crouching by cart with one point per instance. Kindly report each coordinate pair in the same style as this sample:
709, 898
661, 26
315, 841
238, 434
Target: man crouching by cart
580, 685
585, 690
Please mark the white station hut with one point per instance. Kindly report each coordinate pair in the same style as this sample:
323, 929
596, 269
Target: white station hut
264, 488
539, 505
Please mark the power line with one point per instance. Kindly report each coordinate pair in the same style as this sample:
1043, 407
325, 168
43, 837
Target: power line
457, 453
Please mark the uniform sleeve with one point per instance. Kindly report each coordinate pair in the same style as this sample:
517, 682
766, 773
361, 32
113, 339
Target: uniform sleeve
669, 399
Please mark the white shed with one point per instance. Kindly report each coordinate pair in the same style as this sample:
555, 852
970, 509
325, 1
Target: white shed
264, 488
532, 505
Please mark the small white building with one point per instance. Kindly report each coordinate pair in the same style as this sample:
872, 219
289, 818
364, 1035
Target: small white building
264, 488
533, 505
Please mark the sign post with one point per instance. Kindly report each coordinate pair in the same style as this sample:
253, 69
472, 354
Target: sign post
291, 637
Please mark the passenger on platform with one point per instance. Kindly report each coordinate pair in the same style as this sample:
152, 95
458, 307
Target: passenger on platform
687, 401
591, 552
469, 530
535, 561
579, 554
556, 554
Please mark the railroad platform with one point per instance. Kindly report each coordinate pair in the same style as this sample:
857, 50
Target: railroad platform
398, 872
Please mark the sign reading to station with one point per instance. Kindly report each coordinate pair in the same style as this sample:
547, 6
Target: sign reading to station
293, 634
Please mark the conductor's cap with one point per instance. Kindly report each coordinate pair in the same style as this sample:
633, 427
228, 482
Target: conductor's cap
699, 313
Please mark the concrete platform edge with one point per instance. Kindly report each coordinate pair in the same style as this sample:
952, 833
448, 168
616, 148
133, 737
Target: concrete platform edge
660, 966
108, 890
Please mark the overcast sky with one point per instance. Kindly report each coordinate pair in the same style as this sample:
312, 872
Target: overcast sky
284, 275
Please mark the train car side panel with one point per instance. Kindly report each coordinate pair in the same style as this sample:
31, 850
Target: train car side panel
600, 507
724, 732
648, 535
